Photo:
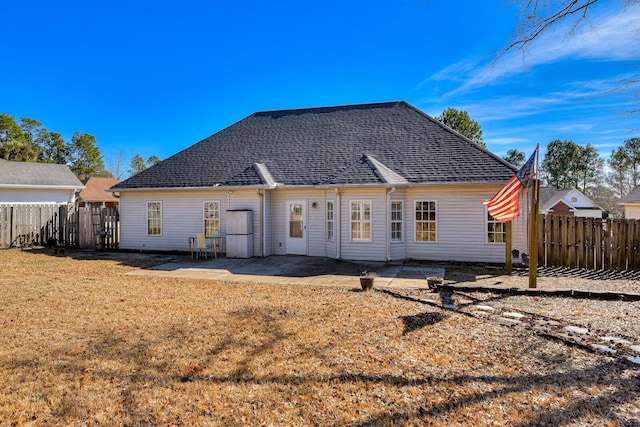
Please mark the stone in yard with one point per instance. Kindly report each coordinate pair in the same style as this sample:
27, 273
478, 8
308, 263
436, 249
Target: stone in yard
576, 329
485, 307
635, 360
513, 314
480, 313
616, 340
603, 348
450, 306
508, 322
548, 322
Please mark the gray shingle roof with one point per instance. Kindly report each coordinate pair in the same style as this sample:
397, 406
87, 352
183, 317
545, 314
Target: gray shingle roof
37, 174
633, 197
383, 143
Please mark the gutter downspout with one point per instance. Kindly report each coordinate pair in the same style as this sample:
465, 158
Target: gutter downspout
263, 221
338, 228
388, 222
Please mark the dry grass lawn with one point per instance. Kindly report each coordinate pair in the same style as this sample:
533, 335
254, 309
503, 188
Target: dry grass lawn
81, 343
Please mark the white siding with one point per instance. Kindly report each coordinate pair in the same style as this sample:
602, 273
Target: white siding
315, 220
374, 250
268, 250
26, 195
461, 226
461, 222
330, 246
398, 249
249, 199
182, 217
632, 211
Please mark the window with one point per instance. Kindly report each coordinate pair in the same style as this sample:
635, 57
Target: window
425, 221
154, 218
496, 231
330, 221
211, 219
361, 220
396, 221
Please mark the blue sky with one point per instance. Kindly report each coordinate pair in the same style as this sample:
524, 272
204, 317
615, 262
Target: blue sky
153, 77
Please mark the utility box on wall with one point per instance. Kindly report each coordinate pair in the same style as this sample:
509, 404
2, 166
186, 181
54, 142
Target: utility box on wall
239, 234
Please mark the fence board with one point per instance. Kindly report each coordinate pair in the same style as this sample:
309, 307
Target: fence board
27, 224
590, 243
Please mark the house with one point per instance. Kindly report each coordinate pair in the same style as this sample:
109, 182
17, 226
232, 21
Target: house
24, 182
380, 181
569, 202
96, 193
631, 204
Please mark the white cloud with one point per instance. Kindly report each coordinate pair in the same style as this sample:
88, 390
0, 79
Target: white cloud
505, 141
605, 37
575, 127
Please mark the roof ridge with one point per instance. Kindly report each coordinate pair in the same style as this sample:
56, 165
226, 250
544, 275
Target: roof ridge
387, 174
329, 109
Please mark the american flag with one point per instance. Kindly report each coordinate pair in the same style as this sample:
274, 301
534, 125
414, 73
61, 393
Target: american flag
503, 207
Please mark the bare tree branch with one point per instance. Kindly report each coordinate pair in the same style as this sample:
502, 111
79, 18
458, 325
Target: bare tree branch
536, 19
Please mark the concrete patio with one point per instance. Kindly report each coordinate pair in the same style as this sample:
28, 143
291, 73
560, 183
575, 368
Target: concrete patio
295, 270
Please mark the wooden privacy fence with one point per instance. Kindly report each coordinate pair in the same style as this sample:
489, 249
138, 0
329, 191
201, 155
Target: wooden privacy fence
98, 228
27, 224
39, 224
591, 243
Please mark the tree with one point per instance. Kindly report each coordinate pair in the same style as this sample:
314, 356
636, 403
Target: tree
606, 198
618, 178
538, 17
53, 148
13, 143
515, 157
569, 165
117, 165
463, 124
589, 168
153, 160
542, 16
632, 150
85, 157
31, 129
137, 165
624, 168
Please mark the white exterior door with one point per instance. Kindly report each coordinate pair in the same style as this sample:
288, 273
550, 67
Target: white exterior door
296, 228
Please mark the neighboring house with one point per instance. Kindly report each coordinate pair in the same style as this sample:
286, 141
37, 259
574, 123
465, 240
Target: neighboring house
570, 202
24, 182
364, 182
96, 193
631, 204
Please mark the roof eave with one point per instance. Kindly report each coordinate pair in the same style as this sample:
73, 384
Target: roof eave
43, 186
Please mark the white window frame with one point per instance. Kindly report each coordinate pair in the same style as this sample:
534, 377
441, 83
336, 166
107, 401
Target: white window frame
397, 220
331, 220
214, 218
427, 221
360, 223
490, 221
159, 219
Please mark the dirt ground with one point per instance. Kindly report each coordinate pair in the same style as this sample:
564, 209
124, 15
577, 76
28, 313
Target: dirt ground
85, 342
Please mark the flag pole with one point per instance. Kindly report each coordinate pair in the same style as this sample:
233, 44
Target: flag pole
507, 246
533, 227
